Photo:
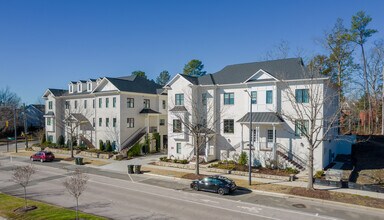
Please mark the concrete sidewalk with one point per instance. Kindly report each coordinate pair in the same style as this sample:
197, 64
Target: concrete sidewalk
279, 182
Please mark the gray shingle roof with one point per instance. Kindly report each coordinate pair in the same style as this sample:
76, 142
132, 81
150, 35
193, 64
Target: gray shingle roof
283, 69
135, 84
148, 111
58, 92
266, 117
178, 109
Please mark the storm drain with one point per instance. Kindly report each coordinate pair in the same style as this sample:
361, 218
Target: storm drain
300, 206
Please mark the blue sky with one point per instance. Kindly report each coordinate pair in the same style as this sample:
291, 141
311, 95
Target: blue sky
46, 44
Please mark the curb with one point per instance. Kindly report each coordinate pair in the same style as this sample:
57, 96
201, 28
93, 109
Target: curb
316, 200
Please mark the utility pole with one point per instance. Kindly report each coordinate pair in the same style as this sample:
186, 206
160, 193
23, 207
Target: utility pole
15, 125
382, 109
25, 127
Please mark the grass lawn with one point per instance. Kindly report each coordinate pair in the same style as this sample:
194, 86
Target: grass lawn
299, 191
43, 211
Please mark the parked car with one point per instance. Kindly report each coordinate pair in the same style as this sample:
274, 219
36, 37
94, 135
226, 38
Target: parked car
218, 184
43, 156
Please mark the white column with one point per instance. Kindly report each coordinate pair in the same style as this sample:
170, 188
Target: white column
242, 137
273, 141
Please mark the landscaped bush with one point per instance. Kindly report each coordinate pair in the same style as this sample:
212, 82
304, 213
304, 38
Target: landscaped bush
61, 141
291, 170
43, 139
101, 145
243, 159
319, 174
135, 150
156, 136
108, 146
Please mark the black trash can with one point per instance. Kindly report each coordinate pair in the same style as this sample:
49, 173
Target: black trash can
79, 161
130, 169
137, 169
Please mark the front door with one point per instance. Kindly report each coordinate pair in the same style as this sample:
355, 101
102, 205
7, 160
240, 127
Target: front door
270, 138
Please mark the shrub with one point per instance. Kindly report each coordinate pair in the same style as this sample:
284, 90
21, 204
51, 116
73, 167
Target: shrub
61, 141
291, 170
183, 161
163, 159
156, 136
101, 145
243, 159
319, 174
108, 146
135, 150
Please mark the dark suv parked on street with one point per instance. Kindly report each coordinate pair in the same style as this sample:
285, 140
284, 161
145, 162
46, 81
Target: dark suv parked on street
219, 184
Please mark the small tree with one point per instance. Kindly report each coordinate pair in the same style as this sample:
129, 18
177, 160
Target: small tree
139, 73
61, 141
243, 158
108, 146
76, 185
194, 68
163, 78
101, 145
22, 175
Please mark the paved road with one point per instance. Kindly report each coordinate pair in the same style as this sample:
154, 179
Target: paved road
119, 196
12, 146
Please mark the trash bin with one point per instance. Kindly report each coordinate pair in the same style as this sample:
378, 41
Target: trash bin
79, 161
130, 169
137, 169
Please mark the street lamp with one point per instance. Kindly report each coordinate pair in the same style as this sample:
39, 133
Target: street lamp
250, 139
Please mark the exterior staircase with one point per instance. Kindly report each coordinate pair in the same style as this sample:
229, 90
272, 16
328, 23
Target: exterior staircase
132, 140
292, 158
87, 142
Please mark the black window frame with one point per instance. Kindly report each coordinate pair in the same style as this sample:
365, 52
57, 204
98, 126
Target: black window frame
228, 124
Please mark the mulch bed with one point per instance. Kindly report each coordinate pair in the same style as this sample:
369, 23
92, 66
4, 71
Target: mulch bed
69, 159
318, 194
23, 210
192, 176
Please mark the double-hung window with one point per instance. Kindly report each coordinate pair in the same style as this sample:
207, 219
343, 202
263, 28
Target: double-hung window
100, 122
162, 122
178, 148
302, 95
130, 122
85, 103
301, 127
179, 99
254, 97
229, 98
204, 98
176, 126
164, 104
48, 121
229, 126
114, 122
50, 105
100, 102
147, 103
130, 103
106, 102
67, 104
114, 102
75, 104
269, 98
106, 122
93, 103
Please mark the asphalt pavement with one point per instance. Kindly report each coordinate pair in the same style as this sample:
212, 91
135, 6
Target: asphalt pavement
122, 196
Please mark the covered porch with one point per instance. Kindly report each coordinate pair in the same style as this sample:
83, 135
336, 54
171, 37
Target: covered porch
264, 127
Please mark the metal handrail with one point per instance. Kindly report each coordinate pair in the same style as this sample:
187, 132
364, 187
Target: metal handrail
133, 136
295, 157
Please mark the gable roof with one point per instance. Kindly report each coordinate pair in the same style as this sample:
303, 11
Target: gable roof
282, 69
56, 92
135, 84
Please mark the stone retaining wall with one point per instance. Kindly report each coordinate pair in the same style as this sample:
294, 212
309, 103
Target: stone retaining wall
176, 165
77, 152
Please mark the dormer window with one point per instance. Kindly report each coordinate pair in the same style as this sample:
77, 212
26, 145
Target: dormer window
70, 88
79, 89
89, 87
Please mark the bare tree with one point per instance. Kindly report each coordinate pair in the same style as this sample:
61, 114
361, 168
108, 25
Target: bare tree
22, 175
199, 121
315, 112
375, 64
9, 101
76, 120
76, 185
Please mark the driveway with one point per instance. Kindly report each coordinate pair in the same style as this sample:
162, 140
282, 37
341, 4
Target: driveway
121, 166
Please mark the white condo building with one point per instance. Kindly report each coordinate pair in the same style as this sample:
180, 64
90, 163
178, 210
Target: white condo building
220, 102
121, 110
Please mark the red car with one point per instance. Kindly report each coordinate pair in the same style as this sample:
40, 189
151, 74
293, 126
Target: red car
43, 156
